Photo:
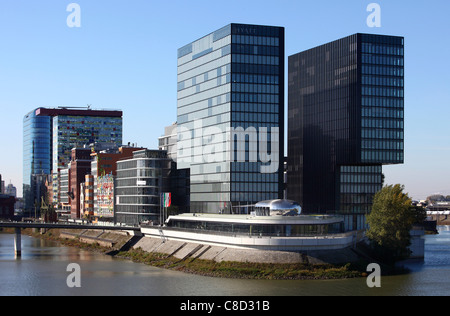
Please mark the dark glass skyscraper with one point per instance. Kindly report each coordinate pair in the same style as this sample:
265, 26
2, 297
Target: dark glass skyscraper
346, 119
231, 116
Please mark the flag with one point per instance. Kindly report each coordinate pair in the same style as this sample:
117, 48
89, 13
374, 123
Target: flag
166, 199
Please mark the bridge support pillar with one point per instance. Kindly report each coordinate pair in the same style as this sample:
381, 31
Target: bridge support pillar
18, 243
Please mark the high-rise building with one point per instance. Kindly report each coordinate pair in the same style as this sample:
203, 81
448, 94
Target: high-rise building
49, 137
11, 190
346, 120
2, 185
231, 117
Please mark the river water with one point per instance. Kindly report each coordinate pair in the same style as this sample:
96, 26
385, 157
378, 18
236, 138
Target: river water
42, 271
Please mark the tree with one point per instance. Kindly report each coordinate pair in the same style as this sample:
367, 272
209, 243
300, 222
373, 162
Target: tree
390, 223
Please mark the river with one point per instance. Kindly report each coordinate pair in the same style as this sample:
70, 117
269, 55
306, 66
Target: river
42, 271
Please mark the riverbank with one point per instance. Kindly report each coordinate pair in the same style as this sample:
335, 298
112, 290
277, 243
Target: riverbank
246, 264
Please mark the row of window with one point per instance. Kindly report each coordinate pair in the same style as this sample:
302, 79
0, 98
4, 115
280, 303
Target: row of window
259, 79
144, 173
140, 200
257, 125
255, 50
255, 59
381, 133
206, 85
382, 156
382, 70
256, 69
382, 112
357, 198
255, 176
382, 81
360, 188
256, 40
377, 144
382, 91
252, 197
382, 49
257, 98
382, 101
255, 88
254, 187
361, 169
153, 182
140, 163
254, 167
368, 178
254, 117
255, 107
382, 60
382, 123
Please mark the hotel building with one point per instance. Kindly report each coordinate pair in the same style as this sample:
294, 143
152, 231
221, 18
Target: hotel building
231, 117
345, 121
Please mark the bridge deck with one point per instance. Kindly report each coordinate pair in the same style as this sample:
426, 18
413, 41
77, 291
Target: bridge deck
65, 226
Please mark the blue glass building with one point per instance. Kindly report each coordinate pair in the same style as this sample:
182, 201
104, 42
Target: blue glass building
37, 155
48, 138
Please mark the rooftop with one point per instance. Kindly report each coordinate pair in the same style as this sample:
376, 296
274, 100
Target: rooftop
252, 219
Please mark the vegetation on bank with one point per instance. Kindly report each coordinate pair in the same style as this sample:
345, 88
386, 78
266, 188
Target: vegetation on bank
390, 223
245, 270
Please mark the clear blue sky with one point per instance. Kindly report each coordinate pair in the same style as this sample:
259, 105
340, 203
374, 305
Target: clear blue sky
125, 53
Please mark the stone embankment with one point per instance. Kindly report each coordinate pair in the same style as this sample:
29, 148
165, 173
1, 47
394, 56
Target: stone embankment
183, 251
215, 261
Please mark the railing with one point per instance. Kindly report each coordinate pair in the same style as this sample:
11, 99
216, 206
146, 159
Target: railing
251, 235
68, 225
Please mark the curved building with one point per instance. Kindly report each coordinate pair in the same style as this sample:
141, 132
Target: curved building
274, 225
277, 207
140, 182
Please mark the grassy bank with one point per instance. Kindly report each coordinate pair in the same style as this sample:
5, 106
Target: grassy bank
241, 270
244, 270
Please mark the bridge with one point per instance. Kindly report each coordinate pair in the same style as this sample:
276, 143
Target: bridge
18, 226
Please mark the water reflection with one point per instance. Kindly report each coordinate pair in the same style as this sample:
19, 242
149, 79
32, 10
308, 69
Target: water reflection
42, 271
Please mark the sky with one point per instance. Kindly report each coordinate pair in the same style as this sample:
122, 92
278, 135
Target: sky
124, 56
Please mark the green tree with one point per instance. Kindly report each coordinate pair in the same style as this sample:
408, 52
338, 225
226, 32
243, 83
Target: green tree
390, 223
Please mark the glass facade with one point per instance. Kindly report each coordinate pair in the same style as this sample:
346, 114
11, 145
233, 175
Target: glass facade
382, 104
346, 119
37, 144
259, 230
70, 131
49, 136
230, 108
139, 183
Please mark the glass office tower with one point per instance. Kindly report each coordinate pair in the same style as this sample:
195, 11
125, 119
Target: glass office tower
346, 120
37, 144
49, 136
231, 117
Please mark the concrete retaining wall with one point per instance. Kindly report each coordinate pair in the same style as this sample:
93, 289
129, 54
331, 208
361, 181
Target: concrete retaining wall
183, 249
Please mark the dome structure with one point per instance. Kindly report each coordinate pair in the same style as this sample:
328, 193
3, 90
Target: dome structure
277, 208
